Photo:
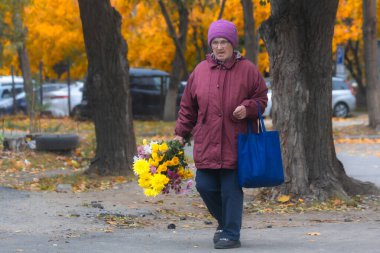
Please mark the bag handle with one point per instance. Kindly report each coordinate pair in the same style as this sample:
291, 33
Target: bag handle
261, 121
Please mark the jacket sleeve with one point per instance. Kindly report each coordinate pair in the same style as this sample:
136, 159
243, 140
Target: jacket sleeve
258, 95
188, 112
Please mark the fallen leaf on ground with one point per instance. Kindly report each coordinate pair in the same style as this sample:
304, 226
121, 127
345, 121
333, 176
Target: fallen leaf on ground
314, 233
283, 198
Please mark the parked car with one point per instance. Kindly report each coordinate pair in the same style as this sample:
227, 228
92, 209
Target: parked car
148, 89
6, 86
6, 104
6, 90
268, 109
343, 98
49, 87
267, 112
7, 80
55, 98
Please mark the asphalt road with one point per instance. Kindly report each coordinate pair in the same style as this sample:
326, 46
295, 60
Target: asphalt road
364, 168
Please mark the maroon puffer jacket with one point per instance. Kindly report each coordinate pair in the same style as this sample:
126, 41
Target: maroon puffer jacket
212, 93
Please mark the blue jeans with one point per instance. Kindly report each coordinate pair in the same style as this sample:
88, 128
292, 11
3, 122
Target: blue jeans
223, 196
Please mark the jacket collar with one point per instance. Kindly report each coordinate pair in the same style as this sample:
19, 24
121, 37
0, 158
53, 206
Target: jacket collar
236, 57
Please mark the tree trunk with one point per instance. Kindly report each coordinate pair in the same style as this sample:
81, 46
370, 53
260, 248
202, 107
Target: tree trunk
354, 65
19, 39
250, 35
28, 85
179, 68
221, 11
108, 88
370, 62
2, 28
302, 97
198, 49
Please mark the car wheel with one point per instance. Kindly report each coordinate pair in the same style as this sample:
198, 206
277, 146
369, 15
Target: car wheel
57, 142
341, 110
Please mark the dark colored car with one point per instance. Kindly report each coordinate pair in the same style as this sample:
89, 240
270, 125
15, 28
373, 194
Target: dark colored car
6, 104
148, 89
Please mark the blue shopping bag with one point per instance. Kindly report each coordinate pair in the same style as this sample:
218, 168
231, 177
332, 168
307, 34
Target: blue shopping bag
259, 157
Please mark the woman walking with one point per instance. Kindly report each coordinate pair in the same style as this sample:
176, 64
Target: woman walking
222, 93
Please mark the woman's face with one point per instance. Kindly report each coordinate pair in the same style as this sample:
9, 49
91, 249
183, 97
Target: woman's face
222, 49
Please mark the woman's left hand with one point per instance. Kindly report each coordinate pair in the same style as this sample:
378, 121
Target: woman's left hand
240, 112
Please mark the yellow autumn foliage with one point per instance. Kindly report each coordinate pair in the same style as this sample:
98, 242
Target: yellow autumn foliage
55, 33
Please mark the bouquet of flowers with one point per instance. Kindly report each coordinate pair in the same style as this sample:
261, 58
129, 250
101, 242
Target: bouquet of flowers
161, 166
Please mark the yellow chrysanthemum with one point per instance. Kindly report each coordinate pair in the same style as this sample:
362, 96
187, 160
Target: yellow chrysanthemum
181, 171
162, 168
159, 181
144, 180
163, 147
175, 161
145, 142
153, 162
151, 192
187, 175
155, 148
156, 157
141, 166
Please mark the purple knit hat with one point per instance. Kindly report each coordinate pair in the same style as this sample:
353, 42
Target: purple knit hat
224, 29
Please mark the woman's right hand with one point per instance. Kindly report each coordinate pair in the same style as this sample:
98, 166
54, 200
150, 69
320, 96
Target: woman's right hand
180, 139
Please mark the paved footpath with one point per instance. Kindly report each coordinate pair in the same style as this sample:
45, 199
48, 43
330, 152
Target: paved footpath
41, 222
344, 237
38, 222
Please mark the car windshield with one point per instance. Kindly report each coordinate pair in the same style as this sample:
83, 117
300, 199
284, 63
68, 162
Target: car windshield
146, 82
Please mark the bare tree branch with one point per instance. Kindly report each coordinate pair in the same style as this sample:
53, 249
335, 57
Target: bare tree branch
222, 9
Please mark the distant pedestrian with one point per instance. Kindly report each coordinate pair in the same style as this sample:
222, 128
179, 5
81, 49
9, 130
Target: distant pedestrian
222, 93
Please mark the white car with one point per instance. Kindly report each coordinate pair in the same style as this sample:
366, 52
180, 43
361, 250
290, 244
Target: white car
7, 80
343, 99
268, 109
6, 86
56, 102
6, 90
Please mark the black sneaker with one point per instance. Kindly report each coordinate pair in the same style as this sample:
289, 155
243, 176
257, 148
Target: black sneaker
225, 243
217, 235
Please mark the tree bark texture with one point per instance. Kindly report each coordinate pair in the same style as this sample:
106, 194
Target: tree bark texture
108, 88
353, 62
370, 62
2, 28
19, 40
298, 37
179, 67
250, 35
28, 85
